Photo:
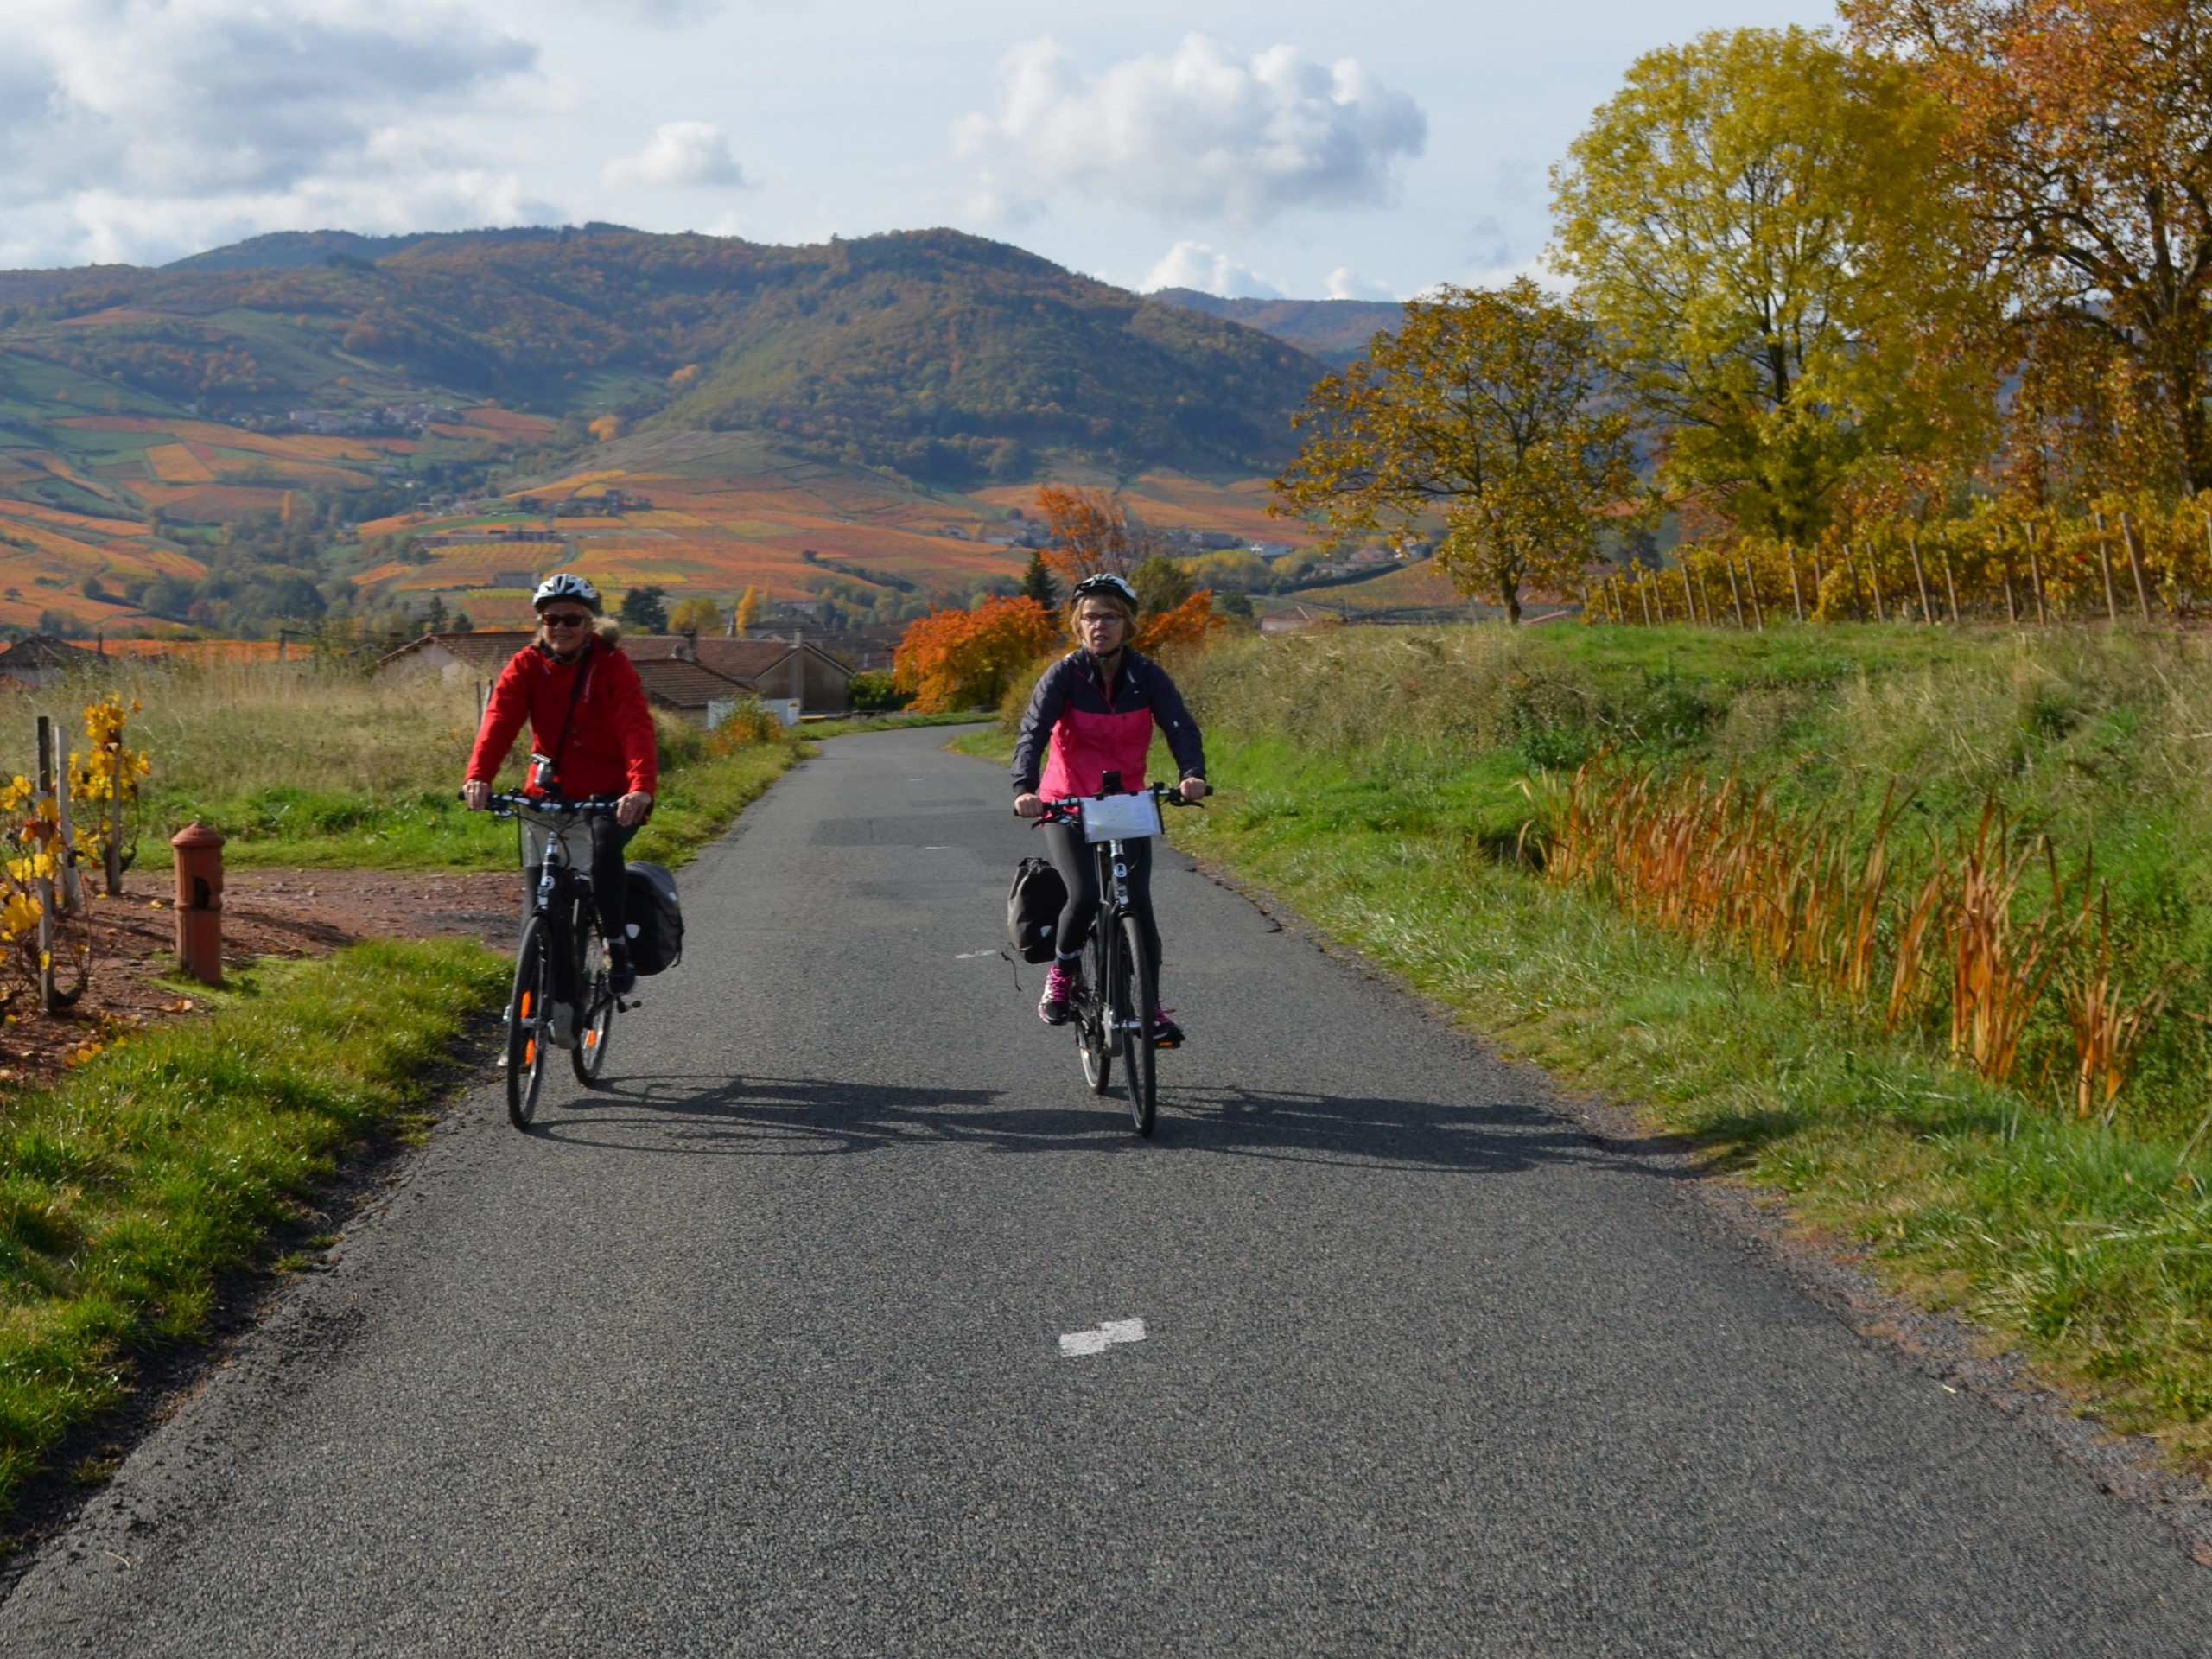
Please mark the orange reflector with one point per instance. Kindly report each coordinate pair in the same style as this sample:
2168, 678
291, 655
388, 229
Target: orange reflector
529, 1053
526, 1005
591, 1039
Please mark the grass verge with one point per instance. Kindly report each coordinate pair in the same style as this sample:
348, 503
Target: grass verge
1371, 778
132, 1185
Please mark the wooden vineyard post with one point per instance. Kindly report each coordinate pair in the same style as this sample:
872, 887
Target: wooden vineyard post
1920, 577
1644, 598
46, 998
73, 894
111, 854
1951, 587
1874, 581
2104, 559
1736, 597
2135, 565
1796, 593
1751, 582
1851, 575
2035, 574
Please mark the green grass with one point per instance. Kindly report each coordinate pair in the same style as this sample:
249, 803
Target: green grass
132, 1184
1374, 779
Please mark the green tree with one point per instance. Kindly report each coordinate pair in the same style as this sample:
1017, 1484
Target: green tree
1487, 407
1161, 583
1768, 234
1037, 582
645, 609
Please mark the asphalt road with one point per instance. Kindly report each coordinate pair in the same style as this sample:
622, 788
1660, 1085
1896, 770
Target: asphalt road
759, 1350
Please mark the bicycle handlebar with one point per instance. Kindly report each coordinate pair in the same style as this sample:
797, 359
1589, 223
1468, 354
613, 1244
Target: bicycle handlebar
1069, 808
508, 803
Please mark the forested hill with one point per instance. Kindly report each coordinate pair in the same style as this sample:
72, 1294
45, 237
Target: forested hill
1335, 331
943, 355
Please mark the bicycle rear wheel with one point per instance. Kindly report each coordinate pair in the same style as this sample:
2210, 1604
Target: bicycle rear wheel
530, 1016
1091, 1014
1140, 1057
594, 1009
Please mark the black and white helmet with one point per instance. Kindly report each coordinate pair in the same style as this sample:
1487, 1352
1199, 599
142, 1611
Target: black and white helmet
1106, 583
562, 585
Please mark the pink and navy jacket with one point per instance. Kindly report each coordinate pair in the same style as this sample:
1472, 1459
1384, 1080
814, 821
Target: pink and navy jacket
1081, 728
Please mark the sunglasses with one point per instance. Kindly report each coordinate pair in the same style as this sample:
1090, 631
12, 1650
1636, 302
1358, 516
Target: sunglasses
565, 619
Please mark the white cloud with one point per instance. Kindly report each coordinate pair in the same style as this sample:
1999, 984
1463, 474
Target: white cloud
1345, 283
1193, 265
681, 154
1200, 134
125, 122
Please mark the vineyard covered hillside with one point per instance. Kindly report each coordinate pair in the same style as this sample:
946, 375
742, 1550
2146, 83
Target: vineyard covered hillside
190, 445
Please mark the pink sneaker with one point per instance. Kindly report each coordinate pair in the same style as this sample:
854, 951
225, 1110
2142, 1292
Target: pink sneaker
1166, 1033
1061, 980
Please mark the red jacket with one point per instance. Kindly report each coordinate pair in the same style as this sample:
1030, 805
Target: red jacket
610, 749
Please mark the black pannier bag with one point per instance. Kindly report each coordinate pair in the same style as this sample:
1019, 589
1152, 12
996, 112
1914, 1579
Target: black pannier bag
656, 923
1032, 909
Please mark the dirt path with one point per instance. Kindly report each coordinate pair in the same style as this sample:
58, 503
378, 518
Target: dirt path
266, 912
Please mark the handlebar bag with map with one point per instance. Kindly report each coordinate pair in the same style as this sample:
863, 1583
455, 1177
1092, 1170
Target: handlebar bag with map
1032, 909
656, 920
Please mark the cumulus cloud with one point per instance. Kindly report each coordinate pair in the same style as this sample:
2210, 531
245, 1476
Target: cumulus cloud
1200, 134
1193, 265
121, 115
681, 154
1345, 283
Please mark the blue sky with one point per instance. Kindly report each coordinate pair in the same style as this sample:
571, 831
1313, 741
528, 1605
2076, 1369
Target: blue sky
1291, 147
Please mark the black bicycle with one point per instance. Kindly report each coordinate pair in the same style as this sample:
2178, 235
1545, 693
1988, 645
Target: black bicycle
561, 996
1113, 1006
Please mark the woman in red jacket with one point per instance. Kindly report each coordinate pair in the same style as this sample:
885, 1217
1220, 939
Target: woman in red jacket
588, 717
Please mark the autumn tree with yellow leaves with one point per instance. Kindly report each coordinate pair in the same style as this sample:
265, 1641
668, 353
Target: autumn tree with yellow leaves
1488, 408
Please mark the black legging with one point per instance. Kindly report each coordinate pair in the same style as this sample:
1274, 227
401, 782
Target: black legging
610, 887
1077, 864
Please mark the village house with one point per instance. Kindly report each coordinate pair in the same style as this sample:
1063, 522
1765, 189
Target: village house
684, 675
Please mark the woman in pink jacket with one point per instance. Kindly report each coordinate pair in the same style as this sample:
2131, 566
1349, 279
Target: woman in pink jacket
1093, 712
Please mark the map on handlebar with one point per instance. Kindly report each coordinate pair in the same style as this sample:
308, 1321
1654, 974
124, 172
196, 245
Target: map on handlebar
1120, 817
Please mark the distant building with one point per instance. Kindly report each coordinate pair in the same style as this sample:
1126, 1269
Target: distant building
768, 669
455, 656
42, 659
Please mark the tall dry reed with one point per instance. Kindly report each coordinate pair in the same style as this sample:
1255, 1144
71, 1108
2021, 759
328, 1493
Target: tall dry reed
1716, 861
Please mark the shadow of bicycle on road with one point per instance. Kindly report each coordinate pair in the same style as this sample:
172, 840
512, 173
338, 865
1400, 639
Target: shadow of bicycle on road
687, 1116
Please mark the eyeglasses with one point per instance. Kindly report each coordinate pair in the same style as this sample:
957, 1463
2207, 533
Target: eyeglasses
566, 619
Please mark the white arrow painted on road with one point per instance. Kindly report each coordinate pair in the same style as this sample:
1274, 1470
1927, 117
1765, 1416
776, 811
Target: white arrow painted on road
1099, 1341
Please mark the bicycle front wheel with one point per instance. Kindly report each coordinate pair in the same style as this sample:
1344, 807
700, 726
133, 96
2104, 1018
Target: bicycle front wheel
1140, 1057
594, 1009
1093, 1011
529, 1017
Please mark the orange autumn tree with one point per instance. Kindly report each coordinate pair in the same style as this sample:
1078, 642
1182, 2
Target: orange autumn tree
2086, 129
1092, 536
964, 659
1090, 533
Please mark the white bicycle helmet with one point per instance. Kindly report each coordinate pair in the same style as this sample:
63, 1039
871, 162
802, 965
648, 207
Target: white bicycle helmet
562, 585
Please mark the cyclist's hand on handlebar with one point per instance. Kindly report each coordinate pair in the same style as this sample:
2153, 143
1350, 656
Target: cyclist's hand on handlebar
1028, 806
631, 808
1194, 789
477, 794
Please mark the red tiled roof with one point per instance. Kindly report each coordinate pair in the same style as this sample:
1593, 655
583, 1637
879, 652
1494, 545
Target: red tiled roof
677, 684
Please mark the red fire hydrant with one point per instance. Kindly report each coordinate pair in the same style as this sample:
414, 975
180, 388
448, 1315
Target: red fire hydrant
199, 902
